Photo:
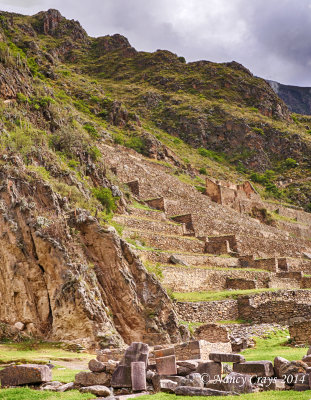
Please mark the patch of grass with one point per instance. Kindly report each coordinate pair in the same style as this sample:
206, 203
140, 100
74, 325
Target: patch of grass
41, 351
274, 345
233, 321
29, 394
191, 325
269, 395
215, 296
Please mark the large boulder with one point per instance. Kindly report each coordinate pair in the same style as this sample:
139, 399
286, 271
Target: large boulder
16, 375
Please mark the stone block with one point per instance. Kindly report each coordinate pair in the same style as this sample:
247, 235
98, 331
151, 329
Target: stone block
257, 368
279, 363
97, 390
168, 386
301, 382
138, 376
170, 351
16, 375
238, 383
226, 357
121, 377
210, 369
92, 379
96, 366
166, 365
273, 384
137, 351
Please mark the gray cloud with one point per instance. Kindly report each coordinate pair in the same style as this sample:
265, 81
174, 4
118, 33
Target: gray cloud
271, 37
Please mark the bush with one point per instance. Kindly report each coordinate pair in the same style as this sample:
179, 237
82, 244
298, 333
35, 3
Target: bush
203, 171
104, 195
290, 163
136, 143
91, 130
259, 130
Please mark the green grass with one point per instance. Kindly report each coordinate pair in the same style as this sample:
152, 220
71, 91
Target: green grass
213, 296
275, 344
288, 395
28, 394
42, 353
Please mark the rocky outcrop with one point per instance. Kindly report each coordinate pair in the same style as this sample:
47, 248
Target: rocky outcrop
76, 281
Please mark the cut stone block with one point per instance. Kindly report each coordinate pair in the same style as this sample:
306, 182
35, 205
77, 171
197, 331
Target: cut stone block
167, 386
164, 352
16, 375
92, 379
257, 368
279, 363
166, 365
137, 351
226, 357
122, 377
210, 369
138, 376
274, 384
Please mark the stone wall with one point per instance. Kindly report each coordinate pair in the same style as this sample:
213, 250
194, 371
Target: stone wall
199, 349
157, 203
240, 283
212, 333
180, 279
209, 311
267, 307
185, 219
279, 307
300, 332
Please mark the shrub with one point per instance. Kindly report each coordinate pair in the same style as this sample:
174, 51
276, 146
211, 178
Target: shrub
91, 130
259, 130
136, 143
290, 163
203, 171
104, 195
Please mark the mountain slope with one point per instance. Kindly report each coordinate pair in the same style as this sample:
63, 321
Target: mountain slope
71, 108
298, 99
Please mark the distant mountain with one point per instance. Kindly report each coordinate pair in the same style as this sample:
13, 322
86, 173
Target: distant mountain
298, 99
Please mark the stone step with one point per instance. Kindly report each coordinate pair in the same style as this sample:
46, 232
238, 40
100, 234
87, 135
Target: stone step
145, 223
165, 242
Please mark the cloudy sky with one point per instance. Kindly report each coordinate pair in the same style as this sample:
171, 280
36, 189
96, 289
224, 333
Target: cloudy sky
270, 37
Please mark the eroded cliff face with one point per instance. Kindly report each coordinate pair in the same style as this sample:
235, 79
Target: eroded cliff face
66, 277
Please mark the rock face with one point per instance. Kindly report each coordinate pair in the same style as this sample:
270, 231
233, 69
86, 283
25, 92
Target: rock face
49, 287
25, 374
297, 99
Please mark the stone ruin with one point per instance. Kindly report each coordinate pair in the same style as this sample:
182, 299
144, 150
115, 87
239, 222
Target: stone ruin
242, 197
189, 369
